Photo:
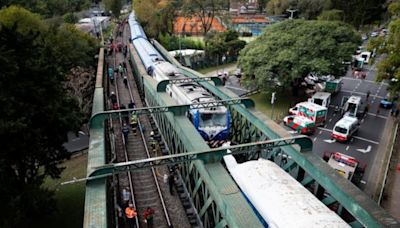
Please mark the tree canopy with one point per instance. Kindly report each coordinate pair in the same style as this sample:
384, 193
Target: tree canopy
225, 44
389, 67
35, 111
49, 8
288, 51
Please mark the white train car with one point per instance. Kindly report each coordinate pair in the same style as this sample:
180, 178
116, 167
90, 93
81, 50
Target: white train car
212, 123
278, 198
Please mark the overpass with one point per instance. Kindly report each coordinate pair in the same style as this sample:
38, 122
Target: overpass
214, 193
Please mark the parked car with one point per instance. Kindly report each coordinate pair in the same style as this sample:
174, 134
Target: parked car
364, 37
386, 103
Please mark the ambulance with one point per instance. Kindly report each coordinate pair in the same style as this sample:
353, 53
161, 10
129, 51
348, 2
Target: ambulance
315, 113
345, 165
351, 106
345, 128
321, 98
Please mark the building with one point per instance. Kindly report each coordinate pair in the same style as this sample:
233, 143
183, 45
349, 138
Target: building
193, 26
250, 7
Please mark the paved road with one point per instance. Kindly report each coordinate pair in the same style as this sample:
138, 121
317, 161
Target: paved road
364, 145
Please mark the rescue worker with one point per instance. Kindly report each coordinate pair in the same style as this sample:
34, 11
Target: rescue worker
113, 98
125, 131
134, 122
111, 74
148, 217
120, 69
126, 82
130, 214
152, 141
126, 196
171, 182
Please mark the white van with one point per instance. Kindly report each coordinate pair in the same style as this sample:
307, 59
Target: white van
345, 128
321, 98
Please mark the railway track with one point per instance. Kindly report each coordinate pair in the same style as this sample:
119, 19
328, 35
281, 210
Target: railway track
142, 184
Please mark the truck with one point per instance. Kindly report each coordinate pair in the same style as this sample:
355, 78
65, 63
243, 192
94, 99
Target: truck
333, 86
347, 166
315, 113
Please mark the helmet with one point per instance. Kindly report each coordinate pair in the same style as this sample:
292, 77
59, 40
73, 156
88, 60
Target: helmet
152, 133
112, 92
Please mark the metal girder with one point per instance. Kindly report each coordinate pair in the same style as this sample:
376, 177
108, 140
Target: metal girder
162, 85
303, 141
176, 109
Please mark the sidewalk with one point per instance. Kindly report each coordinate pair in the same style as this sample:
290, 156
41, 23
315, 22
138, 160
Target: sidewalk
378, 172
391, 195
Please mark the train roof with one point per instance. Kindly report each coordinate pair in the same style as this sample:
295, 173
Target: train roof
279, 198
147, 53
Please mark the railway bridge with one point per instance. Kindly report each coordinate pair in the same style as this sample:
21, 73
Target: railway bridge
215, 195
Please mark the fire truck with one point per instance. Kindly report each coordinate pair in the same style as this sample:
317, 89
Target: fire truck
347, 166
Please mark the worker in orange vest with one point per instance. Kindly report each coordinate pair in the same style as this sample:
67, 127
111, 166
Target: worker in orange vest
130, 214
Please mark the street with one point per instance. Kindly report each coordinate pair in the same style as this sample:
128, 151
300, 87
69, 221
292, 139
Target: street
364, 145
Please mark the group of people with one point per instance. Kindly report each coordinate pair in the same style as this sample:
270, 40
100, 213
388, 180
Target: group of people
131, 213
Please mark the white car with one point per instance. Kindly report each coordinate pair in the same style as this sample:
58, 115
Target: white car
313, 76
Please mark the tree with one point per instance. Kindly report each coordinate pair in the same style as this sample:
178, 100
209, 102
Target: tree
360, 12
310, 9
205, 10
331, 15
286, 52
261, 5
114, 6
389, 67
35, 113
223, 44
277, 7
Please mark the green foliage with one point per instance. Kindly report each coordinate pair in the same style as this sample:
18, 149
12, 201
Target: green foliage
35, 111
157, 16
286, 52
172, 42
310, 9
70, 18
49, 8
331, 15
277, 7
114, 6
360, 12
389, 67
394, 9
223, 44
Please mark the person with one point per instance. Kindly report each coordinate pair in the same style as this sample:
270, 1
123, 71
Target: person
125, 131
130, 214
368, 93
152, 141
366, 108
148, 216
113, 98
126, 82
171, 182
120, 69
125, 51
378, 110
134, 122
126, 196
125, 67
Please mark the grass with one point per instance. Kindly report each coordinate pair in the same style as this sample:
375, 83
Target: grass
70, 198
215, 68
281, 107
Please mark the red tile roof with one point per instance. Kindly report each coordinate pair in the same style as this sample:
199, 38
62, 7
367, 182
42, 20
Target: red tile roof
194, 26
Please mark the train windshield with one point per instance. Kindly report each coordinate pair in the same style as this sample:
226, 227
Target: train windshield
212, 119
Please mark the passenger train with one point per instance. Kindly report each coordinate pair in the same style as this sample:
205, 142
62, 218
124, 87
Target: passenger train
277, 198
212, 123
